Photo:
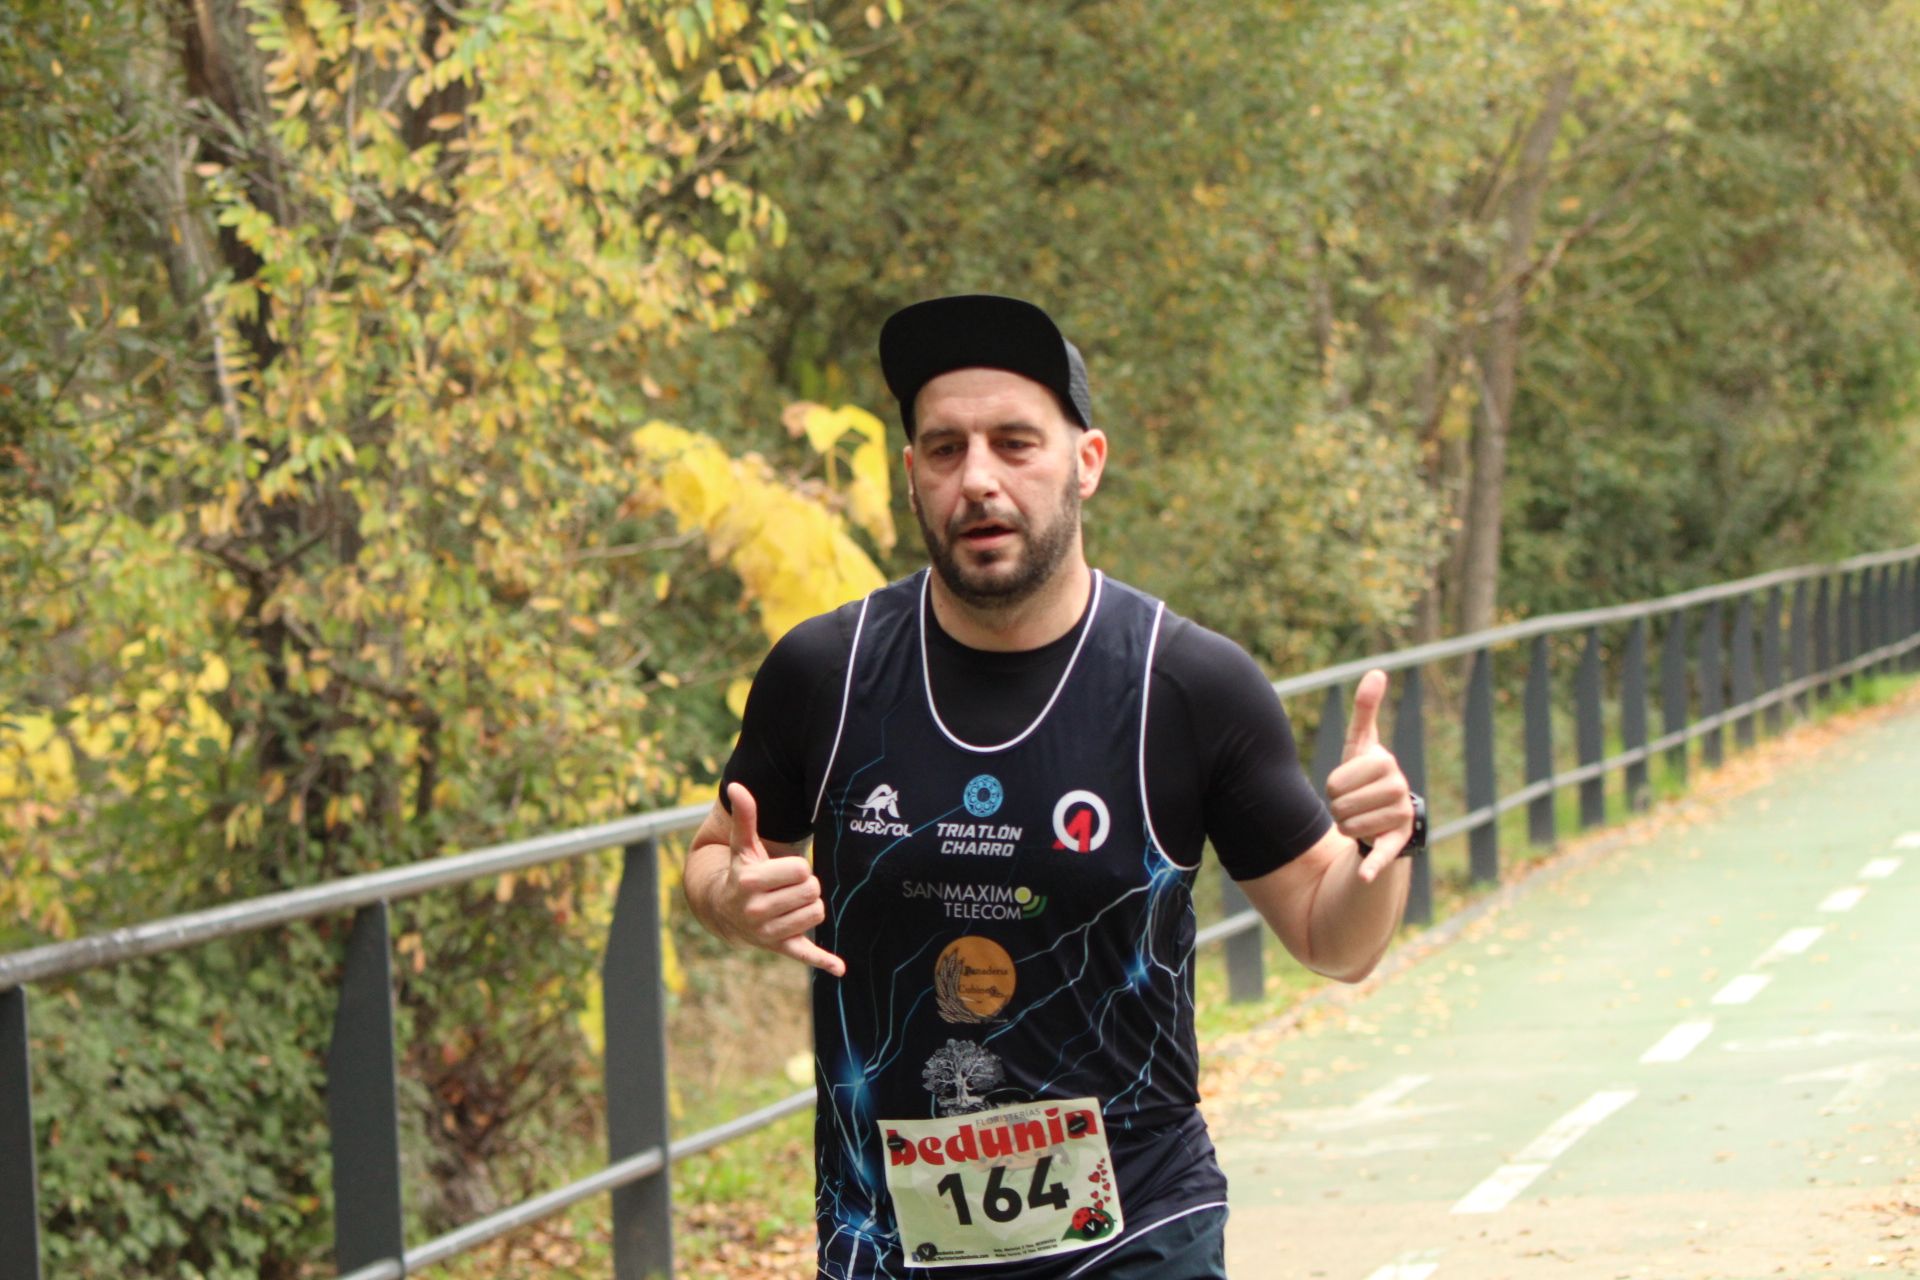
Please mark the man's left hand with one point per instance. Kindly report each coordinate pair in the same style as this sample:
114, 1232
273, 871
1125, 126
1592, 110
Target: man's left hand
1368, 793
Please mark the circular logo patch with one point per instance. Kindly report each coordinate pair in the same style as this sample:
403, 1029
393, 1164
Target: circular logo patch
1080, 822
983, 796
972, 980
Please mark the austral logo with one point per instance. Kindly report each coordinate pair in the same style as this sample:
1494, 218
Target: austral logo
882, 801
978, 901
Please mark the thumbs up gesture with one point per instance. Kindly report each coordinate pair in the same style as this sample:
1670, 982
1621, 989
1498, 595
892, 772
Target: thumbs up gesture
1368, 793
770, 901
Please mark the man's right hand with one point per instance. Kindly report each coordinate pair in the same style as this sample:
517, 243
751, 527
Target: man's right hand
766, 900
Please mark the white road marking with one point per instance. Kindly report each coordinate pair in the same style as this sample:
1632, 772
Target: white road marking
1382, 1106
1743, 988
1858, 1080
1405, 1271
1574, 1125
1373, 1148
1679, 1042
1821, 1040
1879, 868
1382, 1098
1844, 899
1911, 840
1793, 942
1498, 1191
1509, 1180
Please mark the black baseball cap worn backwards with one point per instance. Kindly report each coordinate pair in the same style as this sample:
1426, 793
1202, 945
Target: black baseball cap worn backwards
980, 331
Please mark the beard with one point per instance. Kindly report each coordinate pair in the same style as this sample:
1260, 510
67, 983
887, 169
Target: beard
1037, 554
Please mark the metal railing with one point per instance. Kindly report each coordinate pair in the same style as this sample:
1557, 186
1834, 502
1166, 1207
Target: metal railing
1795, 635
1841, 620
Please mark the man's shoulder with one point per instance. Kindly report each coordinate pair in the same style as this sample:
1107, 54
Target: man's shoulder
826, 639
823, 640
1205, 666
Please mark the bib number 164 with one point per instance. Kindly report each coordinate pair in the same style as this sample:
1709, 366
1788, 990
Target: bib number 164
1000, 1202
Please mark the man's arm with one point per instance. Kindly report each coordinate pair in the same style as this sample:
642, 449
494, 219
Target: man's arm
751, 891
1333, 908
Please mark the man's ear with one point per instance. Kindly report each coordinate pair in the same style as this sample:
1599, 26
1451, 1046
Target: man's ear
1092, 453
906, 465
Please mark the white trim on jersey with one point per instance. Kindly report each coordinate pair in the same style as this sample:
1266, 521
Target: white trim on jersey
1130, 1236
1146, 700
846, 697
926, 676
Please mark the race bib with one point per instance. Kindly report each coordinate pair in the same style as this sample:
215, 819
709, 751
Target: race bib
1014, 1183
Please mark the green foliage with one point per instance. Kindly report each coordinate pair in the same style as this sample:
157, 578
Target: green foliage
1704, 409
181, 1115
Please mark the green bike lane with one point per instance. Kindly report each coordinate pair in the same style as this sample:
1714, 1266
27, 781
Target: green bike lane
1691, 1052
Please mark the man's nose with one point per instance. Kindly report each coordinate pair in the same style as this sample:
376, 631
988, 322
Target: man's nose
980, 476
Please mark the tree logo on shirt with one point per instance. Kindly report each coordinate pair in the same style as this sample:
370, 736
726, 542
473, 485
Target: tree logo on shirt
960, 1075
1080, 822
983, 796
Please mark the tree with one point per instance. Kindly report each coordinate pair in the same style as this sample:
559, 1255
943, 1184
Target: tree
960, 1074
330, 492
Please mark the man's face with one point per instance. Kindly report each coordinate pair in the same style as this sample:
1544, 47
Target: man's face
997, 473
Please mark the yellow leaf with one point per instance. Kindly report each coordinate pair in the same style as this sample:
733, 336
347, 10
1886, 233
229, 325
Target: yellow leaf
823, 426
737, 697
446, 120
544, 604
856, 108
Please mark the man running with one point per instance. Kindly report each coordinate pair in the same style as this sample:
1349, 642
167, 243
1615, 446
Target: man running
1008, 765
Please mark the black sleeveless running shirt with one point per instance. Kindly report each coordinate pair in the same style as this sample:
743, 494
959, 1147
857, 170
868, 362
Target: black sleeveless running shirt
1012, 928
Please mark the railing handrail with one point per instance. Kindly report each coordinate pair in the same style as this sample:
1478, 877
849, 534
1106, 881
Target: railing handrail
1553, 623
250, 915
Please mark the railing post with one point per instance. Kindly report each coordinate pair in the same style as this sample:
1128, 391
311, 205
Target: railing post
1541, 825
1713, 688
1844, 612
1902, 611
1633, 713
1823, 645
19, 1187
1800, 646
1876, 613
1910, 617
1590, 730
1484, 842
1743, 682
636, 1068
1883, 616
1869, 617
1673, 692
1410, 747
1909, 604
363, 1119
1771, 677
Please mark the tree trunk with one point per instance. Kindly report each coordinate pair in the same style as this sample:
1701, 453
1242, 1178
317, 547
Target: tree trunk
1498, 349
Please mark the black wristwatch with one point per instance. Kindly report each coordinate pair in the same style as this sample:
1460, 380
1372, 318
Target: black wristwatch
1417, 842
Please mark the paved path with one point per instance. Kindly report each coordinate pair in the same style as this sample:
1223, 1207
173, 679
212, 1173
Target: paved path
1692, 1055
